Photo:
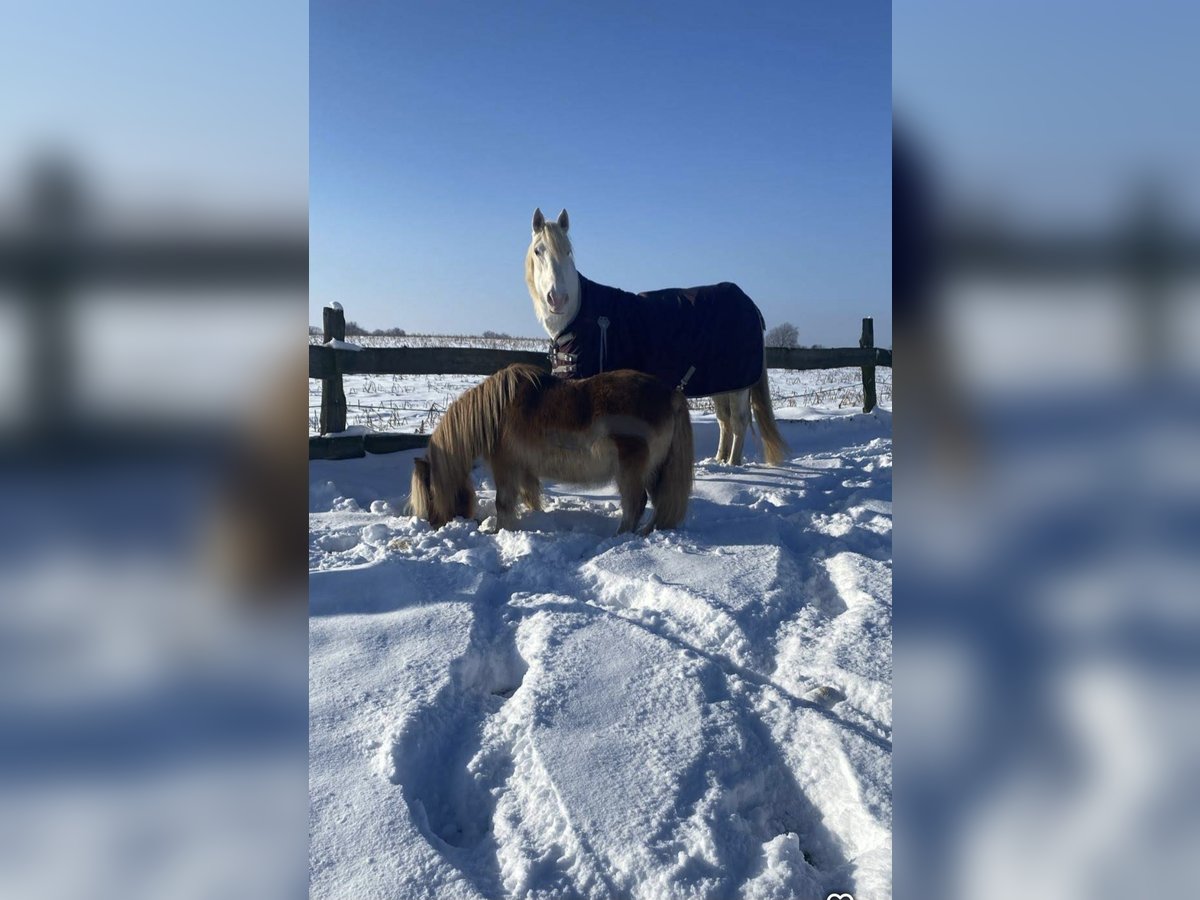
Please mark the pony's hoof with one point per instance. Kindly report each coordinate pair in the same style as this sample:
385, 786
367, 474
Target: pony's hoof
489, 525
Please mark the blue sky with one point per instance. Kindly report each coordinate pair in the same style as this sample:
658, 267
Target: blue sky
691, 143
198, 106
1103, 97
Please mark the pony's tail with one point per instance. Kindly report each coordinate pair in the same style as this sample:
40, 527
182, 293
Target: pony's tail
760, 401
673, 484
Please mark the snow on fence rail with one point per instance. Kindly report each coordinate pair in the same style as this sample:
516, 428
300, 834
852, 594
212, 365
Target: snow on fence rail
335, 358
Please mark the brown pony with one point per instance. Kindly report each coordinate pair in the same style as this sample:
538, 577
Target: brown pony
528, 424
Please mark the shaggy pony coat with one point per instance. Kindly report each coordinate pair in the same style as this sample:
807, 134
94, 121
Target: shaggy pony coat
528, 425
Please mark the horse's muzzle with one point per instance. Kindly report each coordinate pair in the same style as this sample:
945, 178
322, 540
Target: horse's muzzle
556, 301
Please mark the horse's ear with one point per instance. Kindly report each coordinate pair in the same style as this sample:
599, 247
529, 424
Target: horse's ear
539, 221
563, 222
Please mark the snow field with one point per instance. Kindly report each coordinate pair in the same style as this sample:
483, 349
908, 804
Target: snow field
415, 403
559, 712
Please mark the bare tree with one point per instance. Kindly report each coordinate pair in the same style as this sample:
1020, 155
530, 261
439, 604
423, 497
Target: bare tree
785, 335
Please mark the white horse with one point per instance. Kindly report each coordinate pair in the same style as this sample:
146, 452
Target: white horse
708, 341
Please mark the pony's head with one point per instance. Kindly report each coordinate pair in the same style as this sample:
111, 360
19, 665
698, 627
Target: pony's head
550, 273
437, 500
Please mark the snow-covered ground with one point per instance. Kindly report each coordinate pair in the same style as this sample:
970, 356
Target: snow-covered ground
559, 712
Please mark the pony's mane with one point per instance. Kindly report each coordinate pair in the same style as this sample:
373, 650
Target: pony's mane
471, 424
558, 242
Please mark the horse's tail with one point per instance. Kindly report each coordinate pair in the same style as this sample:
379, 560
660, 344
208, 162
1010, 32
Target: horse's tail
673, 484
760, 401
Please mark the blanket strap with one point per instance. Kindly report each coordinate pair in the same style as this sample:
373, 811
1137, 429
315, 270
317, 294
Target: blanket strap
603, 323
687, 376
562, 359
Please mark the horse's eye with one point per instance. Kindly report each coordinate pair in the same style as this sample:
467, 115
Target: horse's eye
538, 249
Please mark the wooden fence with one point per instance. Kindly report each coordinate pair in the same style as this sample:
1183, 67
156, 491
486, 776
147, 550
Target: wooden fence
57, 247
329, 362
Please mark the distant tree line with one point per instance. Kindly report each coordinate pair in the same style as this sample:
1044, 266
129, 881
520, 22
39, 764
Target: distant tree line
786, 335
353, 328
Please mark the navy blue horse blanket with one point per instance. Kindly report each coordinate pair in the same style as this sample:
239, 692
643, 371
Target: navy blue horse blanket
708, 339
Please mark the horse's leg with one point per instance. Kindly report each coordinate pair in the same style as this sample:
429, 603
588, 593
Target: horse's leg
739, 407
531, 490
721, 401
632, 457
508, 487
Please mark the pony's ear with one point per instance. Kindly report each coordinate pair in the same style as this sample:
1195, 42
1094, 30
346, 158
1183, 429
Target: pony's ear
539, 221
563, 222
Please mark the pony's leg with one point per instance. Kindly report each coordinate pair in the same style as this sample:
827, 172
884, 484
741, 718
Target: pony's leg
531, 490
724, 414
633, 499
739, 404
632, 456
508, 487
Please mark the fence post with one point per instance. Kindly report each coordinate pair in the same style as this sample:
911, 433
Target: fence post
867, 342
56, 207
333, 395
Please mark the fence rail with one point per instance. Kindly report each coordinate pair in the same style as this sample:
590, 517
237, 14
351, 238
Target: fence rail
329, 362
324, 362
57, 245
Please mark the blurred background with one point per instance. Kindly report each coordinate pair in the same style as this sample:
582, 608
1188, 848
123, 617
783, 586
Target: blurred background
153, 270
153, 276
1047, 605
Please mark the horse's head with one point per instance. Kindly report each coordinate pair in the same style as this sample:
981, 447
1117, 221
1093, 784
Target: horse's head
435, 501
550, 273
